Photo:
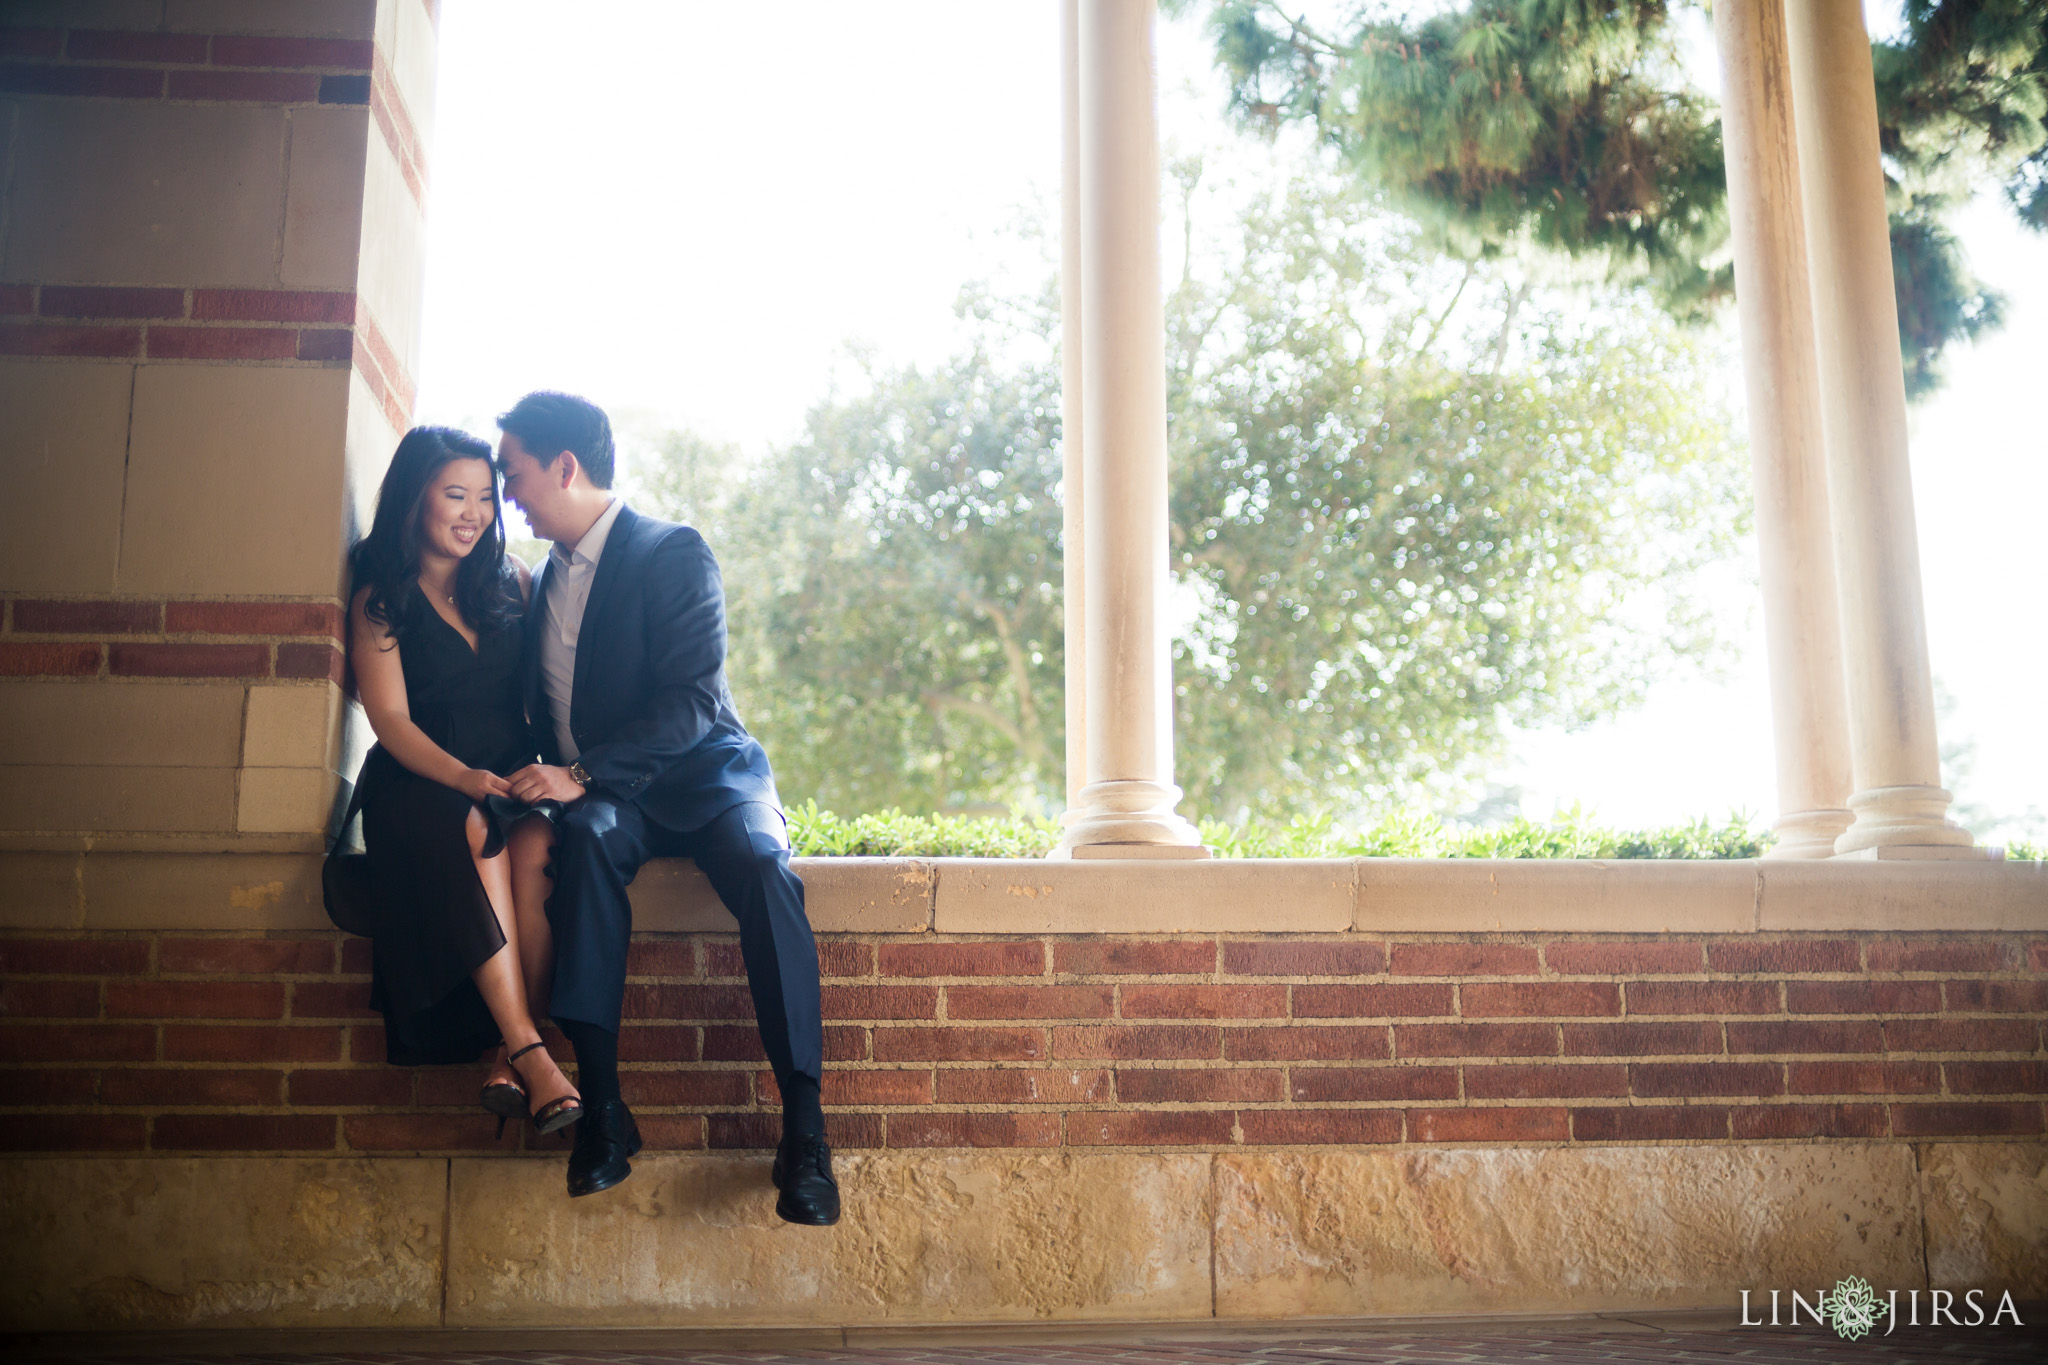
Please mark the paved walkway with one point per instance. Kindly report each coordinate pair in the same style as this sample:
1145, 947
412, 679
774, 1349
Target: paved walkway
1690, 1340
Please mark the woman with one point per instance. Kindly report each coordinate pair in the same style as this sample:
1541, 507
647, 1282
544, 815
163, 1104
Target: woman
458, 865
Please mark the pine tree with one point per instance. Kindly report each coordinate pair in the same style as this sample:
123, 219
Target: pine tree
1960, 102
1570, 124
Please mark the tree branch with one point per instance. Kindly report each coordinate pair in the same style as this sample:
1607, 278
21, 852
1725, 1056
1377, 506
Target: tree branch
1470, 267
1029, 738
948, 701
1301, 31
1507, 326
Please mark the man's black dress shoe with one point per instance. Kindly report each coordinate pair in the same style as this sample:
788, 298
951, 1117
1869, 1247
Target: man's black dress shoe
605, 1137
803, 1172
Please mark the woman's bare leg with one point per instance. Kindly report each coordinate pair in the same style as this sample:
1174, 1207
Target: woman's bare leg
500, 982
531, 845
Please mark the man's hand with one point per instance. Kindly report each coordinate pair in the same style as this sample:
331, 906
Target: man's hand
544, 782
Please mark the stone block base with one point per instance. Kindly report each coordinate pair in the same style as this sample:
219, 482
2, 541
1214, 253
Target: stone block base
1005, 1236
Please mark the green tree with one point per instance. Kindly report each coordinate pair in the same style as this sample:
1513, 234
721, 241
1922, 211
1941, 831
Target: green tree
1412, 504
1570, 124
1960, 99
893, 588
1412, 520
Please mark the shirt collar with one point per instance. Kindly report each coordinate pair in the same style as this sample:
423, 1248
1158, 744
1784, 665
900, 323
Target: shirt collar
591, 548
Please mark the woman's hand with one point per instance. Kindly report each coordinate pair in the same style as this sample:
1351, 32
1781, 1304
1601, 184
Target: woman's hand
478, 783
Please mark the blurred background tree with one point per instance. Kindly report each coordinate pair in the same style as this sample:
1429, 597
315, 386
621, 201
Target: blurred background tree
1570, 125
1417, 503
1414, 502
894, 582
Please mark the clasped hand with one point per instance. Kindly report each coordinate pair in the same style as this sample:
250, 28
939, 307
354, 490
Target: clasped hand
544, 782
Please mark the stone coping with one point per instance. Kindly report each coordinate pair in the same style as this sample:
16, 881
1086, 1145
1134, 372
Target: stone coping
281, 891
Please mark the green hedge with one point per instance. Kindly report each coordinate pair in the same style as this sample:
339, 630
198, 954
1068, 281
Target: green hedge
892, 834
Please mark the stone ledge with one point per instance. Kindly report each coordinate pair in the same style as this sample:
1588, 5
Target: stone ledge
842, 895
1903, 895
100, 1244
1520, 895
280, 890
1036, 896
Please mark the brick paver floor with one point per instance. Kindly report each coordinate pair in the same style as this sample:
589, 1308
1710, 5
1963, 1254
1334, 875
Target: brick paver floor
1557, 1342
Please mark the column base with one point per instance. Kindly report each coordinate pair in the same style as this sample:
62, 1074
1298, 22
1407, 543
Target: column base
1128, 818
1905, 817
1809, 833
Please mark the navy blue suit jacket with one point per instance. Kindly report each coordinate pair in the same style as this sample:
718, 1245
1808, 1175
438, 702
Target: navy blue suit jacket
650, 710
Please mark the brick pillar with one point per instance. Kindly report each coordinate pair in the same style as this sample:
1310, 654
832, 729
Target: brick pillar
209, 284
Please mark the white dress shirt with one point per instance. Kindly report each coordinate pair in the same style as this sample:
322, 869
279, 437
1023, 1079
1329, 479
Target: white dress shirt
568, 592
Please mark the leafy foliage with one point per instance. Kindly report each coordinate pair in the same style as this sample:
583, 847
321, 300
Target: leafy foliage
1572, 835
1939, 300
1410, 507
1960, 100
816, 833
1560, 121
1408, 526
1569, 124
893, 585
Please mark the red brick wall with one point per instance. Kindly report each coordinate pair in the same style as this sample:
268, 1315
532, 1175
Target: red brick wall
193, 322
151, 638
321, 329
214, 68
219, 1044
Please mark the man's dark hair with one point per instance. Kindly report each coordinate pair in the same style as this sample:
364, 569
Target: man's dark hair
548, 423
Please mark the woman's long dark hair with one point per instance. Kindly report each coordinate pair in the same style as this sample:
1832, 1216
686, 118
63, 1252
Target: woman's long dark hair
387, 561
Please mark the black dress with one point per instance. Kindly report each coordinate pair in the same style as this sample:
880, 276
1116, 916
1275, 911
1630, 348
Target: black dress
435, 925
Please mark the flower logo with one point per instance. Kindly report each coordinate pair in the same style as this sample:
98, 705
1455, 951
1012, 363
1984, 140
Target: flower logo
1852, 1308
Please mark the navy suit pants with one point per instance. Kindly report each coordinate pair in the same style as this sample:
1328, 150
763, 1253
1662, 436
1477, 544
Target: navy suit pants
601, 844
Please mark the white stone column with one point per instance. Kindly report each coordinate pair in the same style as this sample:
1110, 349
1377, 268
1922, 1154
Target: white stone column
1802, 622
1127, 807
1073, 596
1898, 800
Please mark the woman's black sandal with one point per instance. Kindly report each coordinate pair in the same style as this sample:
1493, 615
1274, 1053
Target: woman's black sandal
557, 1113
506, 1099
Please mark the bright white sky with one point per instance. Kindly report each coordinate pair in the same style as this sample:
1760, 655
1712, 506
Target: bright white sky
690, 211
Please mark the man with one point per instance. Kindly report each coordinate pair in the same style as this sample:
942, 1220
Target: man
627, 694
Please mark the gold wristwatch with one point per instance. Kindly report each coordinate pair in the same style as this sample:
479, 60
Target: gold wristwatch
577, 771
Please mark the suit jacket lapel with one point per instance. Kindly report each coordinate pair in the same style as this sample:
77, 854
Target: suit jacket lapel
536, 603
618, 546
536, 621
